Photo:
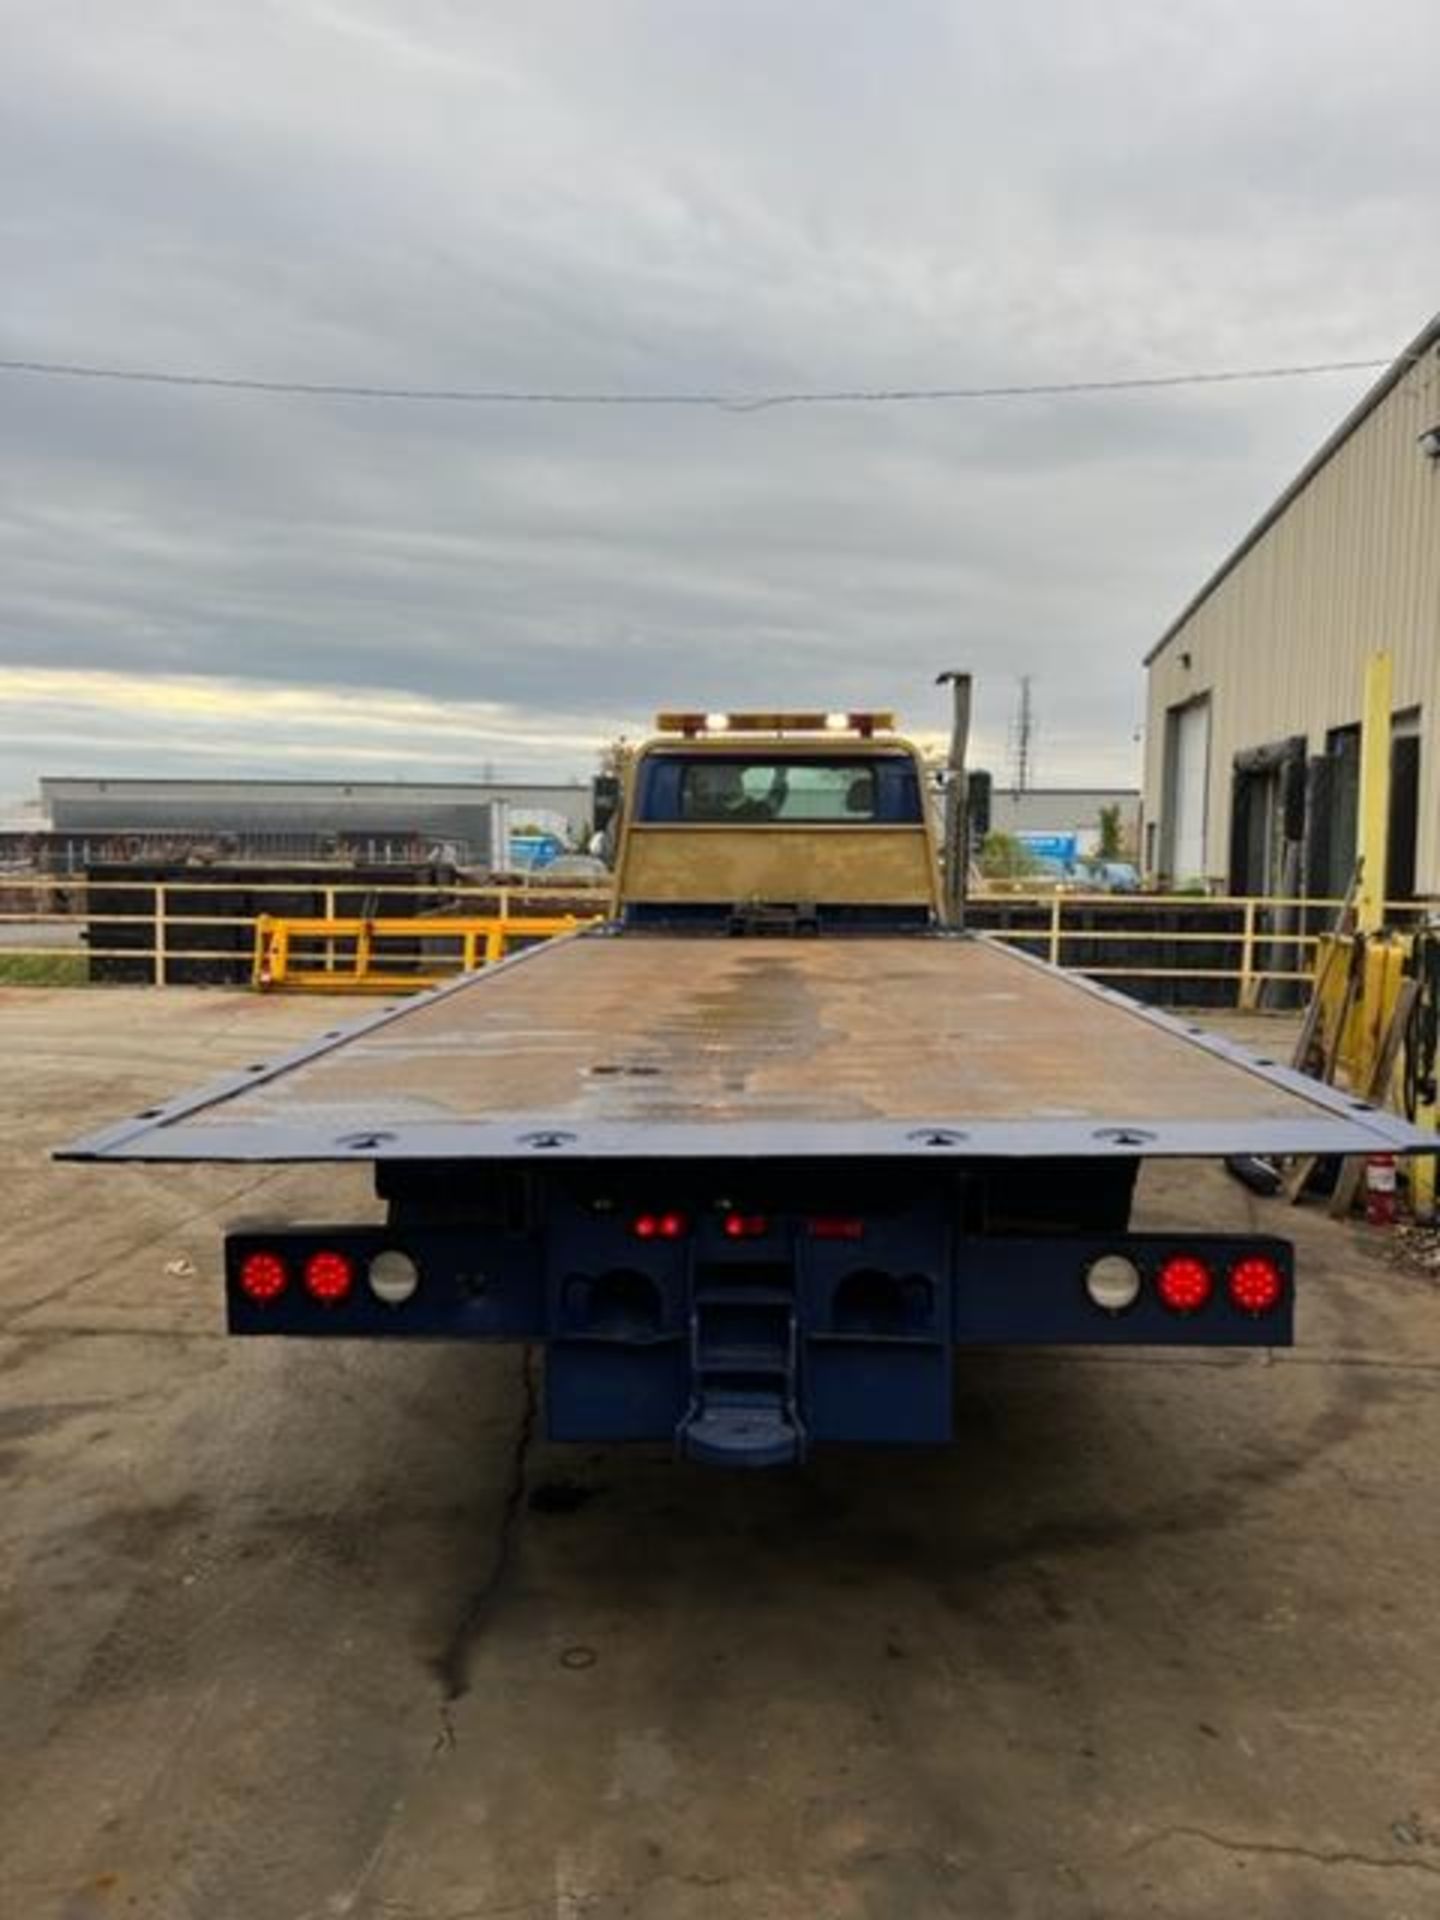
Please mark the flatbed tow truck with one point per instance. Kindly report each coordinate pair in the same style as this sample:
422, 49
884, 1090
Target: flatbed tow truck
754, 1156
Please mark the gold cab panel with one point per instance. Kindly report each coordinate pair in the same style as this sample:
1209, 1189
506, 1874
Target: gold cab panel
735, 812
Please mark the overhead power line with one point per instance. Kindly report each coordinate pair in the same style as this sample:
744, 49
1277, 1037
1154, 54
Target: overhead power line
729, 402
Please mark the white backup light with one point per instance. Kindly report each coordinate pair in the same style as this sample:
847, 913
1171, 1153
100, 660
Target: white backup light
1113, 1282
393, 1277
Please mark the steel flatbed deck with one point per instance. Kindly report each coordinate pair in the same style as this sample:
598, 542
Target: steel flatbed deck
630, 1044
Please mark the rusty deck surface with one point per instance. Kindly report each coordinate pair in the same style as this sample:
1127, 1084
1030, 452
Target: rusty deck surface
609, 1045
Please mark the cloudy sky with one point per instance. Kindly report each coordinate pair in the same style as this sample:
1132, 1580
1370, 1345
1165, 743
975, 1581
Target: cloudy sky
636, 196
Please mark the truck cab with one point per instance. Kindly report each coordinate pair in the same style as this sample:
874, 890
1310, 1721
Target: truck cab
758, 822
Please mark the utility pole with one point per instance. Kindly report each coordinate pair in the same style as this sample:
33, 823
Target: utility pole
1022, 739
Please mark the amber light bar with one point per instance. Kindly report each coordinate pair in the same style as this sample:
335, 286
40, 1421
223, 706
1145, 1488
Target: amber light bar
691, 724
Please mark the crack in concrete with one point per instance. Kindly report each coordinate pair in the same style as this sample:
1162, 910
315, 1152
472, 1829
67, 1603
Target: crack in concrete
445, 1736
452, 1666
1255, 1357
407, 1910
11, 1321
942, 1866
1287, 1849
37, 1336
574, 1906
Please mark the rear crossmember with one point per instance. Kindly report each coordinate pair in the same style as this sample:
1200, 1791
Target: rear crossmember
744, 1336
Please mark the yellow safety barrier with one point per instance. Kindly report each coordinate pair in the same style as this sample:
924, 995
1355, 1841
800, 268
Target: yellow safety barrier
1255, 933
1358, 982
60, 930
357, 955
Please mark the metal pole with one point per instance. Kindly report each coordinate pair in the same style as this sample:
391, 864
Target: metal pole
1374, 793
956, 852
160, 917
1247, 960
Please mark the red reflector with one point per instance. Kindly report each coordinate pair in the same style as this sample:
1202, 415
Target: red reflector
1255, 1284
836, 1226
262, 1276
329, 1276
746, 1226
1185, 1283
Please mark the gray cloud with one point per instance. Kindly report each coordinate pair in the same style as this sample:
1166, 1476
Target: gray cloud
642, 196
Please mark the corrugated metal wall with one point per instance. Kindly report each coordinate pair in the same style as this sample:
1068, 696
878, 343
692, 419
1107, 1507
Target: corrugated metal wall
1280, 643
439, 809
1061, 809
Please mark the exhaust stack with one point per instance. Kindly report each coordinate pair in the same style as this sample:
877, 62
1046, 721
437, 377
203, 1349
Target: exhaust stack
955, 856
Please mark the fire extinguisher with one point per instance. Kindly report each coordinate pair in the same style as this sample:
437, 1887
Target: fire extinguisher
1380, 1189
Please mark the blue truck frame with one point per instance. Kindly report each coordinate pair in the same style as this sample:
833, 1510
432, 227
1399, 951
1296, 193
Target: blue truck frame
801, 1333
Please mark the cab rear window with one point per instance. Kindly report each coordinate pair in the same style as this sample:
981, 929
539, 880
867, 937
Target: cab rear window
719, 790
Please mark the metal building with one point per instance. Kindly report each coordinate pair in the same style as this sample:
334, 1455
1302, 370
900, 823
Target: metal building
1074, 810
470, 819
1255, 691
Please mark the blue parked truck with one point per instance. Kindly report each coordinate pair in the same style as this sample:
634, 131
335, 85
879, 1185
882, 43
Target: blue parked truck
753, 1157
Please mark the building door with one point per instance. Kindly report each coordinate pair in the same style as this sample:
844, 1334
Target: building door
1256, 849
1341, 829
1338, 832
1188, 789
1404, 805
1268, 810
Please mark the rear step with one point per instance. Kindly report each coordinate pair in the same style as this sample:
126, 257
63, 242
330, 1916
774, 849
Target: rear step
743, 1409
717, 1434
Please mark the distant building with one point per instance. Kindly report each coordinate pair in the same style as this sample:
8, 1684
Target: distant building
1254, 692
1065, 810
468, 822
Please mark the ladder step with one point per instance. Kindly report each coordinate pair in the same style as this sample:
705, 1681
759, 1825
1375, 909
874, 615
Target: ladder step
734, 1356
744, 1295
742, 1357
749, 1436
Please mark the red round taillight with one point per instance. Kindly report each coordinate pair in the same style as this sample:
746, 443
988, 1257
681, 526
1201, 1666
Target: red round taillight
1184, 1283
329, 1277
1255, 1284
659, 1226
262, 1277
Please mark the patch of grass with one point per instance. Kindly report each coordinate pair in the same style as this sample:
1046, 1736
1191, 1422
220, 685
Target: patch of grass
44, 970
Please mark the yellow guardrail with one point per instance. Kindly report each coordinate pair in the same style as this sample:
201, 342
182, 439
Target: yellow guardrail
1255, 930
73, 920
52, 928
358, 955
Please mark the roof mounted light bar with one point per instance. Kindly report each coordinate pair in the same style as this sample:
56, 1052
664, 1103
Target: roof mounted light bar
693, 724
